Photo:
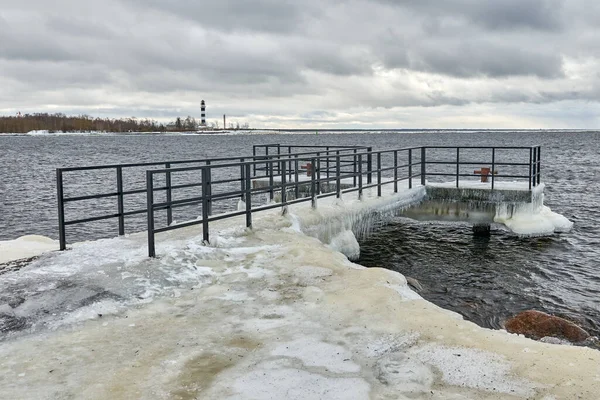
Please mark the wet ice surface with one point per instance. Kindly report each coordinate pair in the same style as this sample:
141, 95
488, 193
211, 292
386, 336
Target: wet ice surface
100, 278
106, 276
259, 321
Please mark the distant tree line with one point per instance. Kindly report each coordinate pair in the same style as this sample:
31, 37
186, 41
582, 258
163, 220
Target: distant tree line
84, 123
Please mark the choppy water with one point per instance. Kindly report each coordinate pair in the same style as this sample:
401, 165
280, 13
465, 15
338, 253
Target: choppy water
485, 279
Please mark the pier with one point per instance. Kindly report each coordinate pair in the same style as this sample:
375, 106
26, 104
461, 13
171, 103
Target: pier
250, 300
280, 176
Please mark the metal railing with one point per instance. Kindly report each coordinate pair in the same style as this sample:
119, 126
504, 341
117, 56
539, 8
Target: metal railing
120, 192
333, 171
270, 150
350, 176
455, 158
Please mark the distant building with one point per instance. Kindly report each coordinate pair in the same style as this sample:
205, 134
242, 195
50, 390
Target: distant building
203, 115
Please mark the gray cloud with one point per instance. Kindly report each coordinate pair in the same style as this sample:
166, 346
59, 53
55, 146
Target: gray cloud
295, 59
505, 14
472, 58
231, 15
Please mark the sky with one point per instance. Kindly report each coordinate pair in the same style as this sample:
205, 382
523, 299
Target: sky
307, 64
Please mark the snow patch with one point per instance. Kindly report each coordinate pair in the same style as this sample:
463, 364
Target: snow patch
26, 247
270, 381
473, 368
313, 352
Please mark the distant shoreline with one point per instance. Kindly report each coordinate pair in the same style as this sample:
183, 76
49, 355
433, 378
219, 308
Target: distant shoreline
256, 131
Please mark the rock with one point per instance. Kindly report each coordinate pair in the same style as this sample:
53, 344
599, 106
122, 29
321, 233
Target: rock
415, 284
537, 325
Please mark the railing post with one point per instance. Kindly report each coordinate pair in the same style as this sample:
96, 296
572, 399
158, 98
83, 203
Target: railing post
338, 171
290, 170
209, 187
410, 168
205, 202
457, 165
378, 174
278, 156
530, 166
423, 169
283, 186
327, 164
150, 212
248, 197
120, 207
317, 172
297, 184
493, 165
169, 194
271, 180
535, 166
266, 160
539, 166
254, 159
62, 237
360, 177
395, 171
313, 189
242, 180
369, 164
354, 168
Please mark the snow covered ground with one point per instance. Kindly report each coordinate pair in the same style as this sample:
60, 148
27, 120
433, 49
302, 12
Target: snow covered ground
273, 313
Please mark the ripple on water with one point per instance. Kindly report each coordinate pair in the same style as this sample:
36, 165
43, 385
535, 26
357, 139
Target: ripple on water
488, 280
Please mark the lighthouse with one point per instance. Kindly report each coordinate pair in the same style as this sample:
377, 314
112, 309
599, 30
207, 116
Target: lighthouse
203, 113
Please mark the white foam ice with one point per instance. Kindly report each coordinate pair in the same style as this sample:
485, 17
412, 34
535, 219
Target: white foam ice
26, 247
531, 219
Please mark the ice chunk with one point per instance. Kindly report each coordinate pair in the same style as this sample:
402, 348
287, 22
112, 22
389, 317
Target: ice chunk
345, 242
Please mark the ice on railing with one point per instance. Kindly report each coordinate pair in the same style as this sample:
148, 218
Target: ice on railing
358, 217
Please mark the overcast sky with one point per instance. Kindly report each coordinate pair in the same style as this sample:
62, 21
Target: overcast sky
310, 63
